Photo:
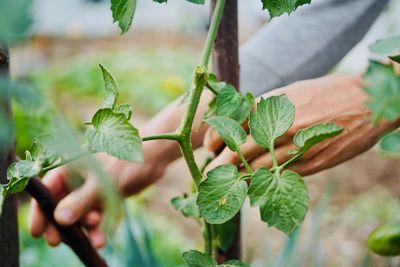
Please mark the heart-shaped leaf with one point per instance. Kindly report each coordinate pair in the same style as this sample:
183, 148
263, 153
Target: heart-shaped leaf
194, 258
114, 135
222, 194
278, 7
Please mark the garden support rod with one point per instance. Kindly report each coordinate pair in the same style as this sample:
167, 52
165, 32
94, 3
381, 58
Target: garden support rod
9, 245
226, 67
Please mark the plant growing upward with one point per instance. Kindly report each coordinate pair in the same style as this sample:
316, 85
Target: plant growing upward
218, 195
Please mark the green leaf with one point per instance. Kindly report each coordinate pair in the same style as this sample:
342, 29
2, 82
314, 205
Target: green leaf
233, 104
111, 86
383, 85
307, 138
42, 150
194, 258
222, 194
388, 46
187, 205
234, 263
390, 143
26, 168
125, 109
201, 2
229, 130
395, 58
283, 198
224, 234
278, 7
273, 118
15, 19
122, 12
114, 135
19, 174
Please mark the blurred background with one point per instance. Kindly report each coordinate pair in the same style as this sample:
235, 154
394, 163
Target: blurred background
153, 63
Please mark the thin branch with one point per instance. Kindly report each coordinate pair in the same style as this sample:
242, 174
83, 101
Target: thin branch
165, 136
211, 88
244, 161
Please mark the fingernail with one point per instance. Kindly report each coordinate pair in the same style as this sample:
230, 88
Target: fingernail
65, 215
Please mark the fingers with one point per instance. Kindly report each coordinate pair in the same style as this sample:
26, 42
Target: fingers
54, 180
71, 208
212, 141
52, 236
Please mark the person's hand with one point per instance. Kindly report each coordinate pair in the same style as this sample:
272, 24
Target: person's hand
337, 99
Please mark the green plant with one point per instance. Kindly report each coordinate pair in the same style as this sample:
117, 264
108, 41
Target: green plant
218, 196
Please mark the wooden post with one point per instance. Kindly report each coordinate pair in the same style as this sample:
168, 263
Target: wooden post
9, 245
226, 66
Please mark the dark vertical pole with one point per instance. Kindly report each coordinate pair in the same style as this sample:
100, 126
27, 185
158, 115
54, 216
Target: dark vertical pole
9, 245
226, 66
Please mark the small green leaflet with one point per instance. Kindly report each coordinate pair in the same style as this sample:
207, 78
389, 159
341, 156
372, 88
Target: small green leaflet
229, 130
389, 47
187, 205
222, 194
383, 85
307, 138
201, 2
390, 143
232, 104
122, 12
125, 109
283, 198
277, 8
194, 258
18, 175
233, 263
111, 86
114, 135
273, 118
41, 150
224, 234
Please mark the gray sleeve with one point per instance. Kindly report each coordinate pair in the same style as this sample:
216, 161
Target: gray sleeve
307, 44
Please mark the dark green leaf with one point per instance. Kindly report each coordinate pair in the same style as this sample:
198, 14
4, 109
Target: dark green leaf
224, 234
122, 12
234, 263
283, 198
222, 194
187, 205
278, 7
229, 130
273, 118
194, 258
233, 104
388, 46
315, 134
114, 135
124, 109
111, 86
391, 143
395, 58
383, 85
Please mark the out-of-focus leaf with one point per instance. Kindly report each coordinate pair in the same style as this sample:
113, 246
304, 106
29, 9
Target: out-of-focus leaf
277, 8
389, 47
194, 258
224, 234
15, 19
390, 143
122, 12
187, 205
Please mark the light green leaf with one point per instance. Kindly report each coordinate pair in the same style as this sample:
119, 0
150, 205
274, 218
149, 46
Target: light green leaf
26, 168
388, 46
122, 12
283, 198
273, 118
43, 150
307, 138
234, 263
187, 205
194, 258
232, 104
390, 143
278, 7
124, 109
222, 194
114, 135
383, 85
224, 234
111, 86
229, 130
19, 174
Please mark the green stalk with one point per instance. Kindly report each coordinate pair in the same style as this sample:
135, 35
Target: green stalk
290, 161
168, 136
244, 161
212, 88
273, 156
209, 239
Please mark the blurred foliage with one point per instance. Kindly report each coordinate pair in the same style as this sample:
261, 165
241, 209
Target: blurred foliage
142, 239
15, 19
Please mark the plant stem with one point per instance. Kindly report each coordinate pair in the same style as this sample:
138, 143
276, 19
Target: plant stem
211, 88
244, 161
290, 161
168, 136
212, 32
67, 161
273, 156
209, 239
199, 82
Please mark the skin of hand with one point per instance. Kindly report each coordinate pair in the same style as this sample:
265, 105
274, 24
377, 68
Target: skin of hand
334, 98
84, 204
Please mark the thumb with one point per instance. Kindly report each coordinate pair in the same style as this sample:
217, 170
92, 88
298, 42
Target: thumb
71, 208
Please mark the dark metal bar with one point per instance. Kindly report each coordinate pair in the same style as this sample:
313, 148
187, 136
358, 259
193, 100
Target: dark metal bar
226, 66
9, 243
